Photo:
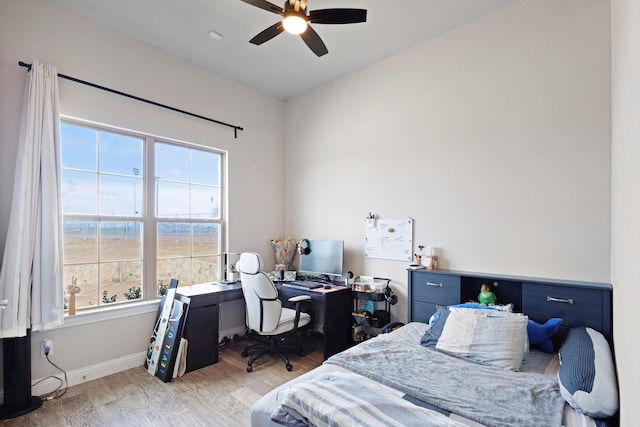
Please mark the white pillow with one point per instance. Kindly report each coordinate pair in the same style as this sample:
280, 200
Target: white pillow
486, 336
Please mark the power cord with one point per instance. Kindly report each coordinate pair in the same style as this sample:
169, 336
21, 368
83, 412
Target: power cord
56, 393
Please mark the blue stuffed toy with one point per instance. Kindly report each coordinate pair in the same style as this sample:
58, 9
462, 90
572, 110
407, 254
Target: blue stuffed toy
540, 335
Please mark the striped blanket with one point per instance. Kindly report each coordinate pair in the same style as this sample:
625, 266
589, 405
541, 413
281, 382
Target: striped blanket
346, 399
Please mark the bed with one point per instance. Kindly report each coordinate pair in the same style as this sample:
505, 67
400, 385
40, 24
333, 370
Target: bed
472, 366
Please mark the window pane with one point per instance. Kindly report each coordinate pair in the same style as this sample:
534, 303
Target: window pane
79, 191
118, 278
80, 242
173, 240
120, 154
205, 269
172, 162
120, 241
205, 239
205, 167
174, 268
78, 147
134, 293
86, 276
204, 201
172, 199
120, 195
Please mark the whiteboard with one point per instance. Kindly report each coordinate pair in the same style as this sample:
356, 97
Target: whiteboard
389, 239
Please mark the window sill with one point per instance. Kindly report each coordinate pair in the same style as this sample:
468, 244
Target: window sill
103, 314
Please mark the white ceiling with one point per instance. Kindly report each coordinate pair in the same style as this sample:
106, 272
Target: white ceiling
283, 67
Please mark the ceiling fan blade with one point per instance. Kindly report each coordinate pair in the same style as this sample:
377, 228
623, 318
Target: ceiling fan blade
267, 34
264, 4
315, 43
338, 16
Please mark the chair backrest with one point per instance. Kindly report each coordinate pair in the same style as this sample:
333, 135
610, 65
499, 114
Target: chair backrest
260, 294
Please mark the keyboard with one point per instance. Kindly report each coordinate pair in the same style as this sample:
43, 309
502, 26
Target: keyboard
303, 285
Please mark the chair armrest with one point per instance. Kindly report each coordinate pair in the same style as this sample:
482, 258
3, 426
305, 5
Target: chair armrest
299, 298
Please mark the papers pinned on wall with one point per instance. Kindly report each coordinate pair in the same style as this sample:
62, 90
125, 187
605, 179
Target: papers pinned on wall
389, 239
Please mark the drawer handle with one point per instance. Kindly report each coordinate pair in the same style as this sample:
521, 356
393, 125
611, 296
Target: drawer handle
562, 300
436, 285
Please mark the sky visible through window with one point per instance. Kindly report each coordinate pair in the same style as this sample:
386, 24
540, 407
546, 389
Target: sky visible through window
187, 180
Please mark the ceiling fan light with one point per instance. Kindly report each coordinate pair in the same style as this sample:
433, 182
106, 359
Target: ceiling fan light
294, 23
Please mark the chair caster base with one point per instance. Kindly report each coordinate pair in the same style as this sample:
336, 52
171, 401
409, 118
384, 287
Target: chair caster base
249, 368
289, 367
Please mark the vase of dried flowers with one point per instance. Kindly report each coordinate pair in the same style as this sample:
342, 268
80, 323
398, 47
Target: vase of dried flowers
285, 250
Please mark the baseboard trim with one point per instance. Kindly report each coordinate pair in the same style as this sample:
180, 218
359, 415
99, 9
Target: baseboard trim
88, 373
99, 370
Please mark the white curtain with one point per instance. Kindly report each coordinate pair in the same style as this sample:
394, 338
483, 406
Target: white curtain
31, 276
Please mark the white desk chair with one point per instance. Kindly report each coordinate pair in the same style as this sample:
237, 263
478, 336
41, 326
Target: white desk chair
265, 314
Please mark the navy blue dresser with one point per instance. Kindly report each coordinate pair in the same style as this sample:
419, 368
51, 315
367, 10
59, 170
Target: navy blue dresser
577, 303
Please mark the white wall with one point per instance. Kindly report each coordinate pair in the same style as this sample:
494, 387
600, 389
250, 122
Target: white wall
80, 48
494, 137
625, 224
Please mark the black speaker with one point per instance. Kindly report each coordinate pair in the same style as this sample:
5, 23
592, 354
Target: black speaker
17, 378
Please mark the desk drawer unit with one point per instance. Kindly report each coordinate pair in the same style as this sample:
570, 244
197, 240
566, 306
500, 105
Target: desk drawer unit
428, 290
576, 306
201, 331
330, 313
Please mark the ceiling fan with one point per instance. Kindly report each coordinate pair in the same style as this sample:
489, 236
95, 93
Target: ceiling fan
296, 20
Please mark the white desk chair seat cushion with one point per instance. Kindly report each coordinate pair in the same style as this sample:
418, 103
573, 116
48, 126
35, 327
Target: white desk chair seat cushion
286, 322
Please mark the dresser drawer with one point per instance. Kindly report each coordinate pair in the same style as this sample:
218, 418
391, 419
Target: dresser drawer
576, 306
422, 311
435, 288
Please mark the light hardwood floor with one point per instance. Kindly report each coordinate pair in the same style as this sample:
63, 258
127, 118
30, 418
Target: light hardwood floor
218, 395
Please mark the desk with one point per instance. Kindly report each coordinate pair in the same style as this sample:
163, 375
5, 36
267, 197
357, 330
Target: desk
201, 329
330, 311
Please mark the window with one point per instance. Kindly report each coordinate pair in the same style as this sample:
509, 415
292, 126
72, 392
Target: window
187, 188
137, 212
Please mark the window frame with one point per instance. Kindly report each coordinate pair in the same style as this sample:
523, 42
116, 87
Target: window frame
148, 216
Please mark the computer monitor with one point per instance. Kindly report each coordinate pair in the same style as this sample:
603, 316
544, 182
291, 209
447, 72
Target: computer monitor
325, 257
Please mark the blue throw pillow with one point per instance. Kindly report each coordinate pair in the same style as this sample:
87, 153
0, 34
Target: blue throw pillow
587, 374
439, 318
540, 335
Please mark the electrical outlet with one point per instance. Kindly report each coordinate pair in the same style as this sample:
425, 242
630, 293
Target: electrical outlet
46, 347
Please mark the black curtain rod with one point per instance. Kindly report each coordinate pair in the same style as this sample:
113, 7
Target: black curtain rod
137, 98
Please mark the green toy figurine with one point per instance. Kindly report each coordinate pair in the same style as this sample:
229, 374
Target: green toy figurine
486, 297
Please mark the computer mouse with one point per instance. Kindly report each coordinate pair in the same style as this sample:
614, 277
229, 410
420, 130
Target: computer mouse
327, 286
